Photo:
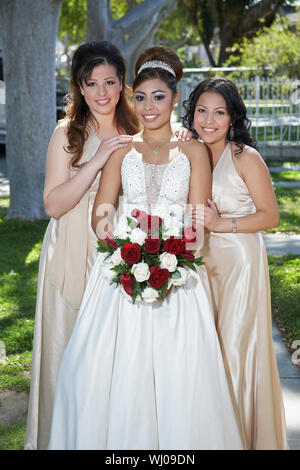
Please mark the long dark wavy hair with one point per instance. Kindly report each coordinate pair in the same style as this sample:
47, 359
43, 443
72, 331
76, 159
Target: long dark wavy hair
235, 106
78, 114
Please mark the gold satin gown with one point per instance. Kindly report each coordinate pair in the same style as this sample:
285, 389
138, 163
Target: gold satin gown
237, 267
68, 253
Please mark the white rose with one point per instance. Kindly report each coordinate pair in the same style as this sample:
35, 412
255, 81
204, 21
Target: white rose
180, 281
138, 236
141, 271
108, 273
123, 230
168, 261
172, 232
150, 295
116, 257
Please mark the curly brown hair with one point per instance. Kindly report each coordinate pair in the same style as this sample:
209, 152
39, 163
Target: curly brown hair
78, 114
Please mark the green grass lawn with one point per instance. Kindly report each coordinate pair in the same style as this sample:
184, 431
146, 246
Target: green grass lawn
286, 176
12, 437
285, 295
20, 244
289, 207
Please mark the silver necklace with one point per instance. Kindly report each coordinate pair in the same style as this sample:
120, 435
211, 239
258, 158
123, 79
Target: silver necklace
156, 149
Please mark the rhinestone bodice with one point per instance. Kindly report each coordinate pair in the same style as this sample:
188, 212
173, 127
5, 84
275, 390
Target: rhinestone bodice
146, 186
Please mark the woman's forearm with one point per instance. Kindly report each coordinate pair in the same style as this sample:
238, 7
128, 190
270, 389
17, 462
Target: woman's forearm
65, 196
249, 223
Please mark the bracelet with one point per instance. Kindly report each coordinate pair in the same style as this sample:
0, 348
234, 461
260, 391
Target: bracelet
233, 225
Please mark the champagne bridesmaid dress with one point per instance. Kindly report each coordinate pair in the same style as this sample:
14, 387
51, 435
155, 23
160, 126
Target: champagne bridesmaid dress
68, 253
237, 266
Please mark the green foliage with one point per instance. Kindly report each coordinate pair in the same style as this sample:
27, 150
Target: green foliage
277, 46
175, 30
285, 294
289, 208
73, 14
72, 21
286, 176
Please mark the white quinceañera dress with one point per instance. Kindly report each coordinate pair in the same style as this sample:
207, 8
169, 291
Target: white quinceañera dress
145, 376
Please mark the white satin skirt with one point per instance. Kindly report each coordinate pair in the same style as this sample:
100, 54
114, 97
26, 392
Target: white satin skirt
144, 376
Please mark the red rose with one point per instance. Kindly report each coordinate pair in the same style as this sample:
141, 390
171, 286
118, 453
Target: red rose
188, 255
127, 281
131, 253
157, 276
189, 235
174, 245
110, 239
152, 245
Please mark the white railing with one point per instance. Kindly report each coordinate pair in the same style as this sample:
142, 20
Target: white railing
273, 106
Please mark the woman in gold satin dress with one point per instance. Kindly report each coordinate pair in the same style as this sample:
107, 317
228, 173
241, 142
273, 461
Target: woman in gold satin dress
235, 257
97, 114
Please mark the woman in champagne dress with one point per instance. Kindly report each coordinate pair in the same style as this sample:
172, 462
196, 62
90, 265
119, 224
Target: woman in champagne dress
146, 375
235, 257
78, 150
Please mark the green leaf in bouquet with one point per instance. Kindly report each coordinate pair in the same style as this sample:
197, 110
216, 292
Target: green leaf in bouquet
103, 249
120, 268
121, 242
189, 264
131, 222
152, 259
198, 261
138, 288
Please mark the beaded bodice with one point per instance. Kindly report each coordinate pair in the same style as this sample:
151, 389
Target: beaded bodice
146, 186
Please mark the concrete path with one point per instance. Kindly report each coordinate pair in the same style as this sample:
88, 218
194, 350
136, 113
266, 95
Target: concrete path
280, 243
289, 372
288, 167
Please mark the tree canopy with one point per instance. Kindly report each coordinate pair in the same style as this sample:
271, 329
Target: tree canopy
276, 46
222, 23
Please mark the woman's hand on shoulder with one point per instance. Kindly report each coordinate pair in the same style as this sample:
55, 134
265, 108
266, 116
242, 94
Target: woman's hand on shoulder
108, 146
183, 134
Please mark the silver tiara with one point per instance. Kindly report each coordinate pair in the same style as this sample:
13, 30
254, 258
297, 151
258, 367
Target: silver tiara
154, 64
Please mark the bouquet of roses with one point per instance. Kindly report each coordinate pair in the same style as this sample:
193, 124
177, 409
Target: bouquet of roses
147, 255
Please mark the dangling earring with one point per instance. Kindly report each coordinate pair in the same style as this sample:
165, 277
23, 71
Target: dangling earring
231, 133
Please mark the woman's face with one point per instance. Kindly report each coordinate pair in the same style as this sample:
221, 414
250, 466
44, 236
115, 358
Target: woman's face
101, 90
211, 117
153, 103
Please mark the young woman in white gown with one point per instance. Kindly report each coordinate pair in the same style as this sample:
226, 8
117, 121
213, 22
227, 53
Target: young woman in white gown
147, 376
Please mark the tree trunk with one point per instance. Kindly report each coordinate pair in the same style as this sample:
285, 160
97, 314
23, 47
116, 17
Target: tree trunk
29, 29
223, 36
132, 33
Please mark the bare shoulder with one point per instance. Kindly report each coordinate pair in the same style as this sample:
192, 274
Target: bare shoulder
249, 158
117, 157
60, 132
194, 149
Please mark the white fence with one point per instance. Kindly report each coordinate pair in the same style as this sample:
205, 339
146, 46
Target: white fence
273, 106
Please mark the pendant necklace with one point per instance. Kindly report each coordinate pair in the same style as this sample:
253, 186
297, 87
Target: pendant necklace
156, 149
